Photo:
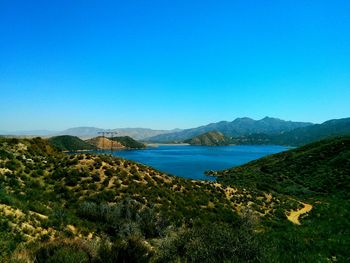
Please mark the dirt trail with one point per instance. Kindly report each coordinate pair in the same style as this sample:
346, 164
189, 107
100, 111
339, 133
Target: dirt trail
293, 216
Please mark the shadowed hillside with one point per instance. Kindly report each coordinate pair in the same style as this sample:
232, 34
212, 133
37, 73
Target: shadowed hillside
318, 175
129, 142
317, 168
209, 139
238, 127
70, 143
300, 136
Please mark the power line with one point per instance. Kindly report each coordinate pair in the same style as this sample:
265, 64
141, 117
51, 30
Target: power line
104, 133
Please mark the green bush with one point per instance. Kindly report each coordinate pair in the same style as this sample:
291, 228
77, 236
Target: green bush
132, 250
62, 252
215, 242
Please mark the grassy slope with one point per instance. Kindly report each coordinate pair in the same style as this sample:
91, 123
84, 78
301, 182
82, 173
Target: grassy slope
70, 143
302, 136
317, 168
317, 174
209, 139
46, 195
129, 142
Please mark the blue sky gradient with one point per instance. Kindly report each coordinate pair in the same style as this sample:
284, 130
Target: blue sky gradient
171, 64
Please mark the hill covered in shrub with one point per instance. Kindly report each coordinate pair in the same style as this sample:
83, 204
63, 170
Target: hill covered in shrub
299, 136
70, 143
317, 168
318, 175
56, 207
87, 207
209, 139
129, 142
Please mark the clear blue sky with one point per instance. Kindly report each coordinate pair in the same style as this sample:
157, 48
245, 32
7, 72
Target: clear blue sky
167, 64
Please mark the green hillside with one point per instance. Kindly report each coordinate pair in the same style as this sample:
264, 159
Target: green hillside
317, 168
299, 136
75, 207
70, 143
56, 207
255, 139
129, 142
238, 127
318, 175
302, 136
209, 139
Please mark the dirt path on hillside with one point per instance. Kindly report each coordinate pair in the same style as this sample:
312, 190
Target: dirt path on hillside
293, 216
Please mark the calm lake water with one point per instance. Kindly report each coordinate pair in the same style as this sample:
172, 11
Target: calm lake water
193, 161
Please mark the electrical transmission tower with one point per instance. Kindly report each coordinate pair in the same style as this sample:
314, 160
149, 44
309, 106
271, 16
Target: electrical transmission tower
104, 133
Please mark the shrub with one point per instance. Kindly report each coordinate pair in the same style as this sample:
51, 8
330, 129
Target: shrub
12, 165
62, 252
109, 172
215, 242
96, 177
132, 250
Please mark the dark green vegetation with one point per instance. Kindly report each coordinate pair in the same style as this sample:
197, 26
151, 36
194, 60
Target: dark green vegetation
73, 143
296, 137
90, 208
70, 143
209, 139
315, 132
299, 136
265, 131
315, 169
318, 174
253, 139
129, 142
238, 127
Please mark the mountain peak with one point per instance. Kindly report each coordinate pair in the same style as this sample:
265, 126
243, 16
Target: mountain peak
237, 127
267, 118
243, 119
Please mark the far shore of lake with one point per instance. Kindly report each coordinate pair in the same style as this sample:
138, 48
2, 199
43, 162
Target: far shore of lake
166, 144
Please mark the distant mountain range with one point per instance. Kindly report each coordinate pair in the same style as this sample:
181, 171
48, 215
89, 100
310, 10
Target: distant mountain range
135, 133
299, 136
91, 132
238, 127
241, 131
29, 133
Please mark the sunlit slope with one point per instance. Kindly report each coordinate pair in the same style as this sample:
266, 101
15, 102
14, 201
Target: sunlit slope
48, 195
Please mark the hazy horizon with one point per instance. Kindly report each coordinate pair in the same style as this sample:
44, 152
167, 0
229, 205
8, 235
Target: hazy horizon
139, 127
165, 65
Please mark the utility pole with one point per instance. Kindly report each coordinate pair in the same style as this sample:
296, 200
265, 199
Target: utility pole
112, 134
103, 139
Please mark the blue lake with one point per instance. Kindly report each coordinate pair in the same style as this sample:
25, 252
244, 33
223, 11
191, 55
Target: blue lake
193, 161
